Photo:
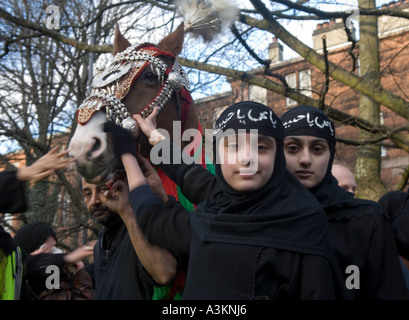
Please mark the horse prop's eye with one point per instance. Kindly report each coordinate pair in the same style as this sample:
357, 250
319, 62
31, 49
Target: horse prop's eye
150, 76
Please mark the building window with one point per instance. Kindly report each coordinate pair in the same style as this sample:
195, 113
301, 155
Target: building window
291, 79
304, 82
299, 80
383, 149
258, 94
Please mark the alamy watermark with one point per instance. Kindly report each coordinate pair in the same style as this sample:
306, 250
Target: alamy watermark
352, 281
239, 150
52, 20
53, 280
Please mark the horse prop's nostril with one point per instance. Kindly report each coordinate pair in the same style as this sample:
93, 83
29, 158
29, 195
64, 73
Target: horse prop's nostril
95, 147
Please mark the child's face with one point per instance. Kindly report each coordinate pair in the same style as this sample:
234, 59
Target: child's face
247, 160
307, 158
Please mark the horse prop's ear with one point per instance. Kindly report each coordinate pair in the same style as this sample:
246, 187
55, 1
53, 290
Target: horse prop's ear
173, 43
120, 43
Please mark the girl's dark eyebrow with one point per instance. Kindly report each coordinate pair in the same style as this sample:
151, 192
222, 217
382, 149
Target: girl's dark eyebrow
300, 140
266, 141
319, 140
264, 137
293, 139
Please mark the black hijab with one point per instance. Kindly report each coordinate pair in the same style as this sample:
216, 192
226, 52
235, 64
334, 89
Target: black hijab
31, 236
310, 121
281, 214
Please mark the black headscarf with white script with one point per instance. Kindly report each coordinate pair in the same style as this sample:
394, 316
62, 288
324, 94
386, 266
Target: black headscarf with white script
336, 201
281, 214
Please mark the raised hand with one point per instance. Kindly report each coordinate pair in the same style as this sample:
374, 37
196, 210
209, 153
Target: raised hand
148, 127
45, 166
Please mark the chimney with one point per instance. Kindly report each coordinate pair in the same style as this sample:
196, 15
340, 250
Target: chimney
275, 51
334, 32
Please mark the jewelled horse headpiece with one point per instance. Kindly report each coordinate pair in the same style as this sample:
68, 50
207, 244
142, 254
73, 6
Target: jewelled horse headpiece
110, 86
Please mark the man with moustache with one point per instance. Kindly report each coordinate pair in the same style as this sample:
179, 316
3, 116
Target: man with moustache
127, 266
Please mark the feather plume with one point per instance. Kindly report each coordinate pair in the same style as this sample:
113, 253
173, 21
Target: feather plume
207, 18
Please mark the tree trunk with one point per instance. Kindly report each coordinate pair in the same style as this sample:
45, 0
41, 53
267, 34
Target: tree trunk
368, 166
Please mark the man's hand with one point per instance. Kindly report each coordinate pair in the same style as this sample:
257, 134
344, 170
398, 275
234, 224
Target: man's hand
117, 197
152, 179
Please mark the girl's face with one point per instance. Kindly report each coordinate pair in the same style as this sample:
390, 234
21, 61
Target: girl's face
247, 160
307, 158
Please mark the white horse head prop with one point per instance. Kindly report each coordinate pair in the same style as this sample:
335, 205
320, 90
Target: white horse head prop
140, 78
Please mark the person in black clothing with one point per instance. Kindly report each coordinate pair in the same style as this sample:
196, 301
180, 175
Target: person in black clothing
396, 206
365, 256
126, 266
39, 243
13, 182
13, 200
259, 235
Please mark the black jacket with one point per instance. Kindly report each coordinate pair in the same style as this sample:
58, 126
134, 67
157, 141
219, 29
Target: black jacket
119, 274
13, 197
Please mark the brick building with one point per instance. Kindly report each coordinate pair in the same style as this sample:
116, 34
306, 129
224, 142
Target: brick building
300, 74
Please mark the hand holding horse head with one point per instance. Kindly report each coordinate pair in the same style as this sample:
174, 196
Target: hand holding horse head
148, 127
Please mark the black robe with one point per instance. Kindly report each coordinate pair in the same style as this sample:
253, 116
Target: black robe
359, 231
361, 235
396, 205
13, 197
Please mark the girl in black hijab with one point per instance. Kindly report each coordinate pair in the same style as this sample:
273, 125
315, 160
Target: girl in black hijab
366, 263
257, 234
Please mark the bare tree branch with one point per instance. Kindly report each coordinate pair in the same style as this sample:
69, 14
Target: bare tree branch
54, 34
381, 96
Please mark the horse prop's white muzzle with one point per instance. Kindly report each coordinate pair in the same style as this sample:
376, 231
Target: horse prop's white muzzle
94, 160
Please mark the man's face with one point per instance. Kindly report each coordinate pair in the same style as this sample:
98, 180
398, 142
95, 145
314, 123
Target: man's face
345, 177
96, 203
